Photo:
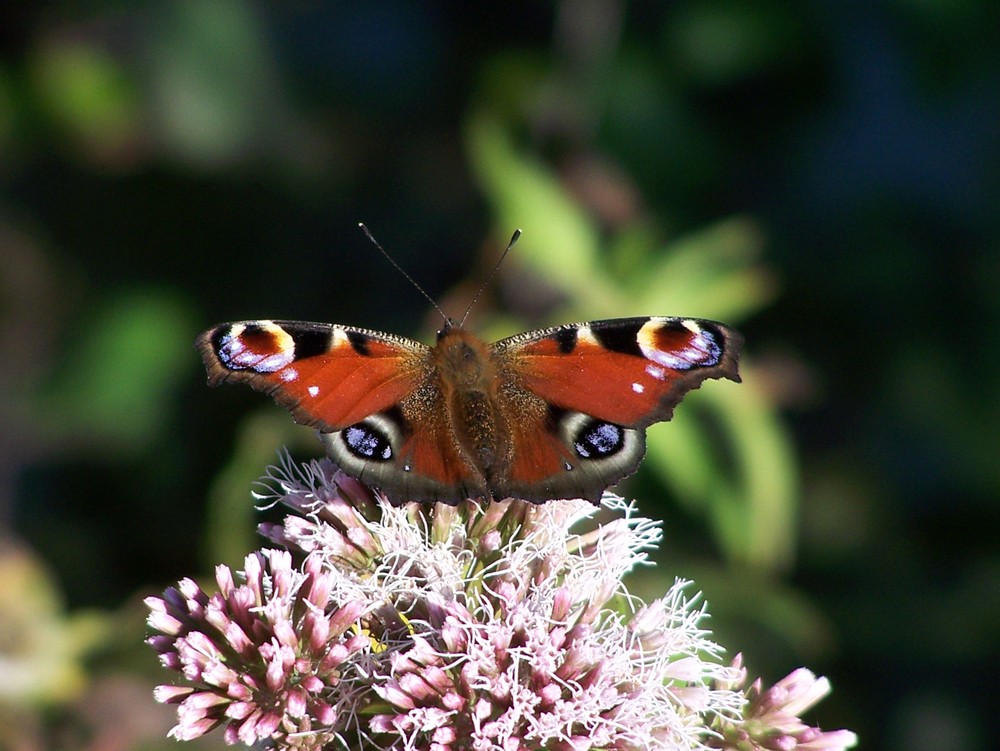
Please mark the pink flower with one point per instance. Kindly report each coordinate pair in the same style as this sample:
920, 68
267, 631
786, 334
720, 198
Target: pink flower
771, 721
482, 627
263, 659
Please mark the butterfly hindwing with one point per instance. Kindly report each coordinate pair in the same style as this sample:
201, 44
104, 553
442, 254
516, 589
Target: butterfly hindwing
567, 455
406, 464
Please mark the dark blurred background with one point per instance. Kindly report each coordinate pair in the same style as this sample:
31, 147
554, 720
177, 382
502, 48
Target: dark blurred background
823, 175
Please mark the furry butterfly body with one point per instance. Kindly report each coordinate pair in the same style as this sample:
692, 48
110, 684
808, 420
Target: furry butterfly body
549, 414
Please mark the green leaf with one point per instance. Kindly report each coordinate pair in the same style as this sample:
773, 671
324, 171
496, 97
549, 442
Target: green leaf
558, 238
713, 273
87, 94
114, 387
726, 455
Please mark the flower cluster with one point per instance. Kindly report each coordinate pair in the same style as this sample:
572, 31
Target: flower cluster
502, 626
264, 658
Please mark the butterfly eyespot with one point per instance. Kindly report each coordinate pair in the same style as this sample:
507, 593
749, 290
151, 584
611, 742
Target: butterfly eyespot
597, 439
368, 442
679, 344
259, 346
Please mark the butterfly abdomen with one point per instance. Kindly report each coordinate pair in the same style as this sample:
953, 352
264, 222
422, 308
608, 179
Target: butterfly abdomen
476, 427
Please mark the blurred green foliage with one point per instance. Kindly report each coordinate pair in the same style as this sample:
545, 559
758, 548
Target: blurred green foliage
820, 175
115, 383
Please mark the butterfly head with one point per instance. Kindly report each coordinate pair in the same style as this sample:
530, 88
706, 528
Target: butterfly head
450, 325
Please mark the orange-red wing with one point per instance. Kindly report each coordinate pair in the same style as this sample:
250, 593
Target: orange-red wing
436, 470
551, 456
538, 452
628, 371
327, 376
408, 460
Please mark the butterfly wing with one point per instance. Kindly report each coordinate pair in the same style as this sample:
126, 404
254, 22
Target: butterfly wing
603, 383
373, 396
327, 376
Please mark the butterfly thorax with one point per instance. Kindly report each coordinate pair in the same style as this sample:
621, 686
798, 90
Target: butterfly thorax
468, 380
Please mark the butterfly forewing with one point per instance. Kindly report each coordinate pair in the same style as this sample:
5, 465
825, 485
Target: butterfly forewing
628, 371
328, 376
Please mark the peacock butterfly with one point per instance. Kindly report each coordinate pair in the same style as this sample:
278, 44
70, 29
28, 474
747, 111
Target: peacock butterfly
549, 414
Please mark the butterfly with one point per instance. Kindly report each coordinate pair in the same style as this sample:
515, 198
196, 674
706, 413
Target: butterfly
550, 414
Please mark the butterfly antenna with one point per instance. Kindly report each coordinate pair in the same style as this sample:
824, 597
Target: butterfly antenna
513, 239
402, 271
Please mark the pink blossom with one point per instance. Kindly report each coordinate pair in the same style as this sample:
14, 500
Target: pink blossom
240, 652
471, 627
770, 720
